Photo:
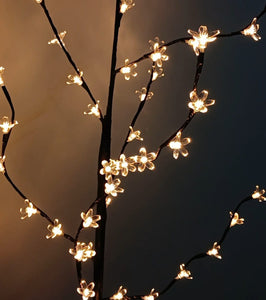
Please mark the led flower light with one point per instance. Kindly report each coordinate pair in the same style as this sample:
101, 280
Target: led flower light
2, 167
178, 145
94, 110
120, 294
112, 186
128, 70
108, 200
142, 94
55, 230
145, 160
157, 73
126, 164
235, 219
6, 125
258, 194
28, 211
134, 135
252, 30
109, 168
183, 273
86, 290
126, 5
90, 220
2, 69
82, 251
201, 39
153, 295
75, 79
158, 55
200, 102
215, 251
38, 1
55, 40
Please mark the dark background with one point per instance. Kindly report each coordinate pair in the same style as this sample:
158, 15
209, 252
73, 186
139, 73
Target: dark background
165, 216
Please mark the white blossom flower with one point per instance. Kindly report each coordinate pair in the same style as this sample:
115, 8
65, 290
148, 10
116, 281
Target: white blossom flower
178, 145
201, 38
200, 102
128, 70
158, 55
55, 229
86, 290
183, 273
90, 220
215, 251
29, 210
252, 30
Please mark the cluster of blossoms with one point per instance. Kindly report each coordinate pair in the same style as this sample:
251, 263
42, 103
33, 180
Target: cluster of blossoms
123, 166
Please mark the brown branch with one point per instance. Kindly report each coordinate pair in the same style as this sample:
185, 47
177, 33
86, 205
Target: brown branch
70, 59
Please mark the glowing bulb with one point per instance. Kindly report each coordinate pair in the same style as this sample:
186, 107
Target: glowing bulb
55, 40
38, 1
109, 168
142, 94
82, 251
126, 5
156, 73
201, 39
2, 69
125, 165
258, 194
158, 55
108, 200
120, 294
215, 251
178, 145
90, 220
112, 186
86, 290
94, 110
55, 229
235, 220
6, 125
128, 70
134, 135
251, 30
28, 211
2, 164
153, 295
183, 273
75, 79
200, 102
144, 160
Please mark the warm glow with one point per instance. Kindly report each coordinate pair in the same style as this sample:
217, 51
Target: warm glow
252, 30
112, 186
109, 168
144, 160
94, 110
2, 167
125, 165
75, 79
89, 219
55, 230
178, 145
200, 102
2, 69
55, 40
134, 135
236, 220
215, 251
201, 38
142, 94
183, 273
86, 290
82, 251
258, 194
28, 211
128, 70
156, 73
126, 5
158, 55
6, 125
108, 200
38, 1
153, 295
120, 294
